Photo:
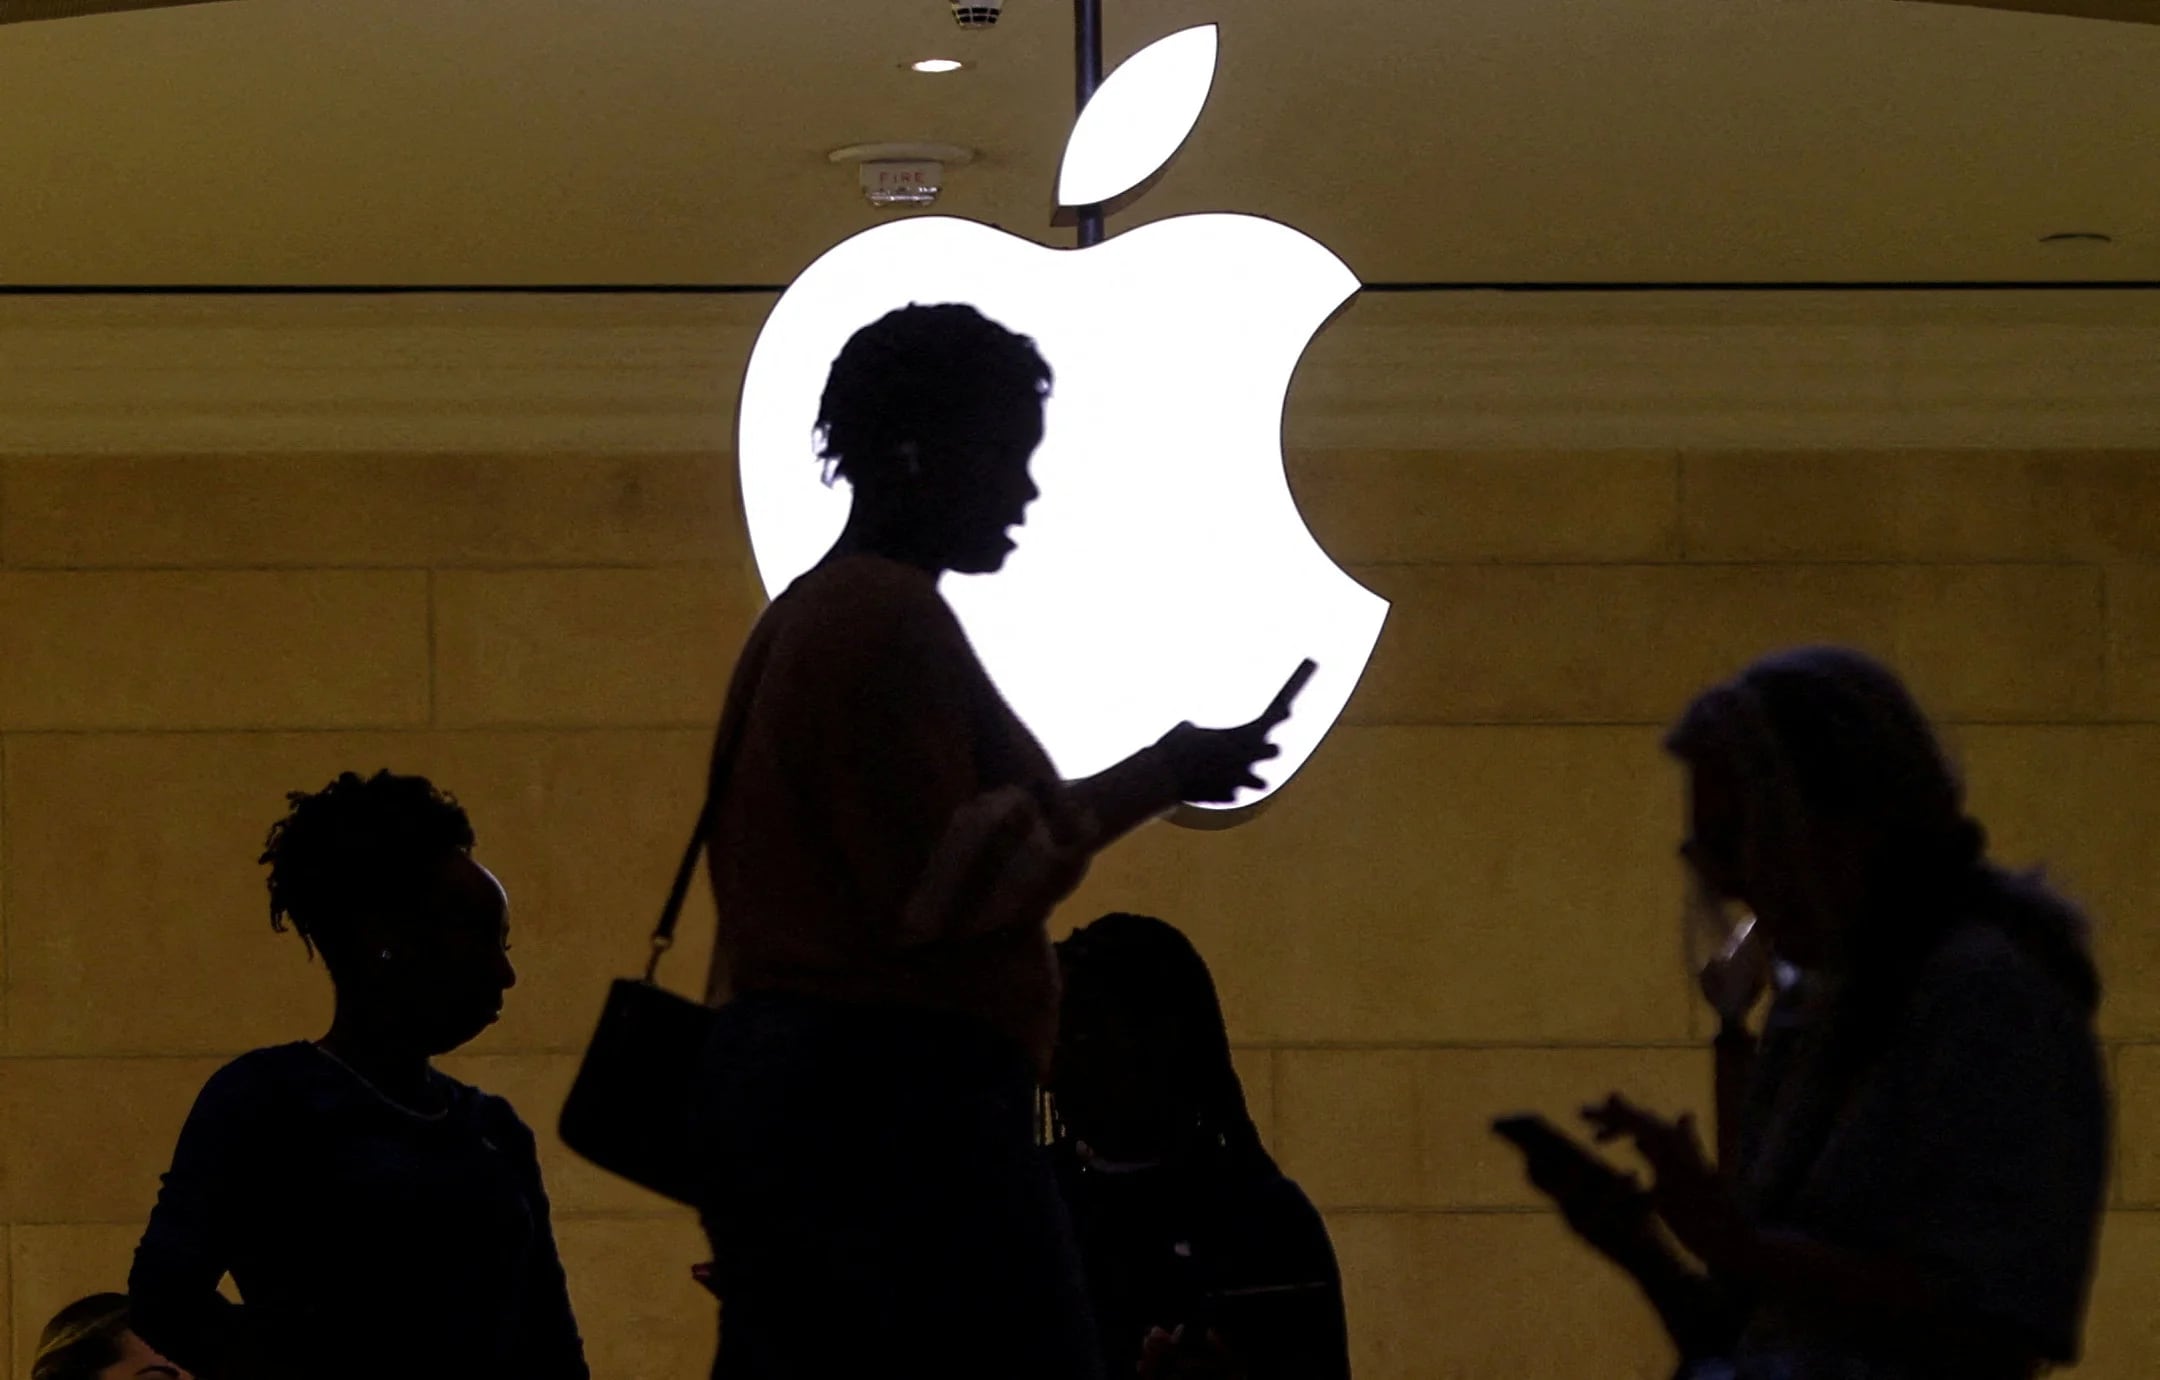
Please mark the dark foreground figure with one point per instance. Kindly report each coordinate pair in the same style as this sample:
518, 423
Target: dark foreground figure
1202, 1259
888, 843
379, 1218
1920, 1137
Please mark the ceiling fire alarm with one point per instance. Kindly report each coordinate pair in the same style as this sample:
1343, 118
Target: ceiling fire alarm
902, 174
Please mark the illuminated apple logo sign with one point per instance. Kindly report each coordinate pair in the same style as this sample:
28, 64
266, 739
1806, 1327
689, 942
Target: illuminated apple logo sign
1165, 572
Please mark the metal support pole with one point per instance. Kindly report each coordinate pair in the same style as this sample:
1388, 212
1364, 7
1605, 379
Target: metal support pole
1087, 75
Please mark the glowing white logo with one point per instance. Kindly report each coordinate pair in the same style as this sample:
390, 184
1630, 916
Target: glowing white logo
1138, 118
1165, 572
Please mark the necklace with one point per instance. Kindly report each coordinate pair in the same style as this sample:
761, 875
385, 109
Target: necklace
364, 1081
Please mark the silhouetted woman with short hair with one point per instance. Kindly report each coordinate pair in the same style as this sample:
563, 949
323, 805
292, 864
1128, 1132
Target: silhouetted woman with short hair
378, 1217
1185, 1223
888, 844
1923, 1140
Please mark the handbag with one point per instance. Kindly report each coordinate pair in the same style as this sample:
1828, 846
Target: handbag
629, 1110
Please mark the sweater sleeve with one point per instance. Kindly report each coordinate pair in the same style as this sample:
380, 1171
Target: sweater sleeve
549, 1346
1326, 1354
187, 1248
1288, 1321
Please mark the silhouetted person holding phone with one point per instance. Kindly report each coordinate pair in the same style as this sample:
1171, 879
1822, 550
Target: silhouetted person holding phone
90, 1339
379, 1218
1922, 1140
889, 841
1202, 1259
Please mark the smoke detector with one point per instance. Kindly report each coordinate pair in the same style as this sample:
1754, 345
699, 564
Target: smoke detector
976, 14
902, 174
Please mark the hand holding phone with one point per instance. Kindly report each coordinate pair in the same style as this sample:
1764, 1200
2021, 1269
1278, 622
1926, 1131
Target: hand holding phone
1601, 1204
1211, 765
1558, 1165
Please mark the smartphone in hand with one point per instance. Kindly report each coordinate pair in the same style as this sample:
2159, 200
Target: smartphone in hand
1278, 709
1558, 1164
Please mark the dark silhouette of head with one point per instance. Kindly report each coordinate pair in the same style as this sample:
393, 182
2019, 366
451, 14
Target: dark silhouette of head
1142, 1070
931, 414
90, 1339
377, 875
1820, 797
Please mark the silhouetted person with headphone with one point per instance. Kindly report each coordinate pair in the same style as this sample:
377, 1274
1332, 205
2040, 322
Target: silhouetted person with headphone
1202, 1259
378, 1217
889, 841
1921, 1142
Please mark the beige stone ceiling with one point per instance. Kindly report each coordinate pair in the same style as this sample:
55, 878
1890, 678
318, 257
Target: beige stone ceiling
650, 141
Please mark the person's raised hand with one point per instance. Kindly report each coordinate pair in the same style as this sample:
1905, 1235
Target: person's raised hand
1209, 766
1687, 1192
1615, 1220
1607, 1207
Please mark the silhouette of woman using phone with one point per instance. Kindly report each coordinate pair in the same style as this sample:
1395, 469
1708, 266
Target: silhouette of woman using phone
889, 841
1913, 1185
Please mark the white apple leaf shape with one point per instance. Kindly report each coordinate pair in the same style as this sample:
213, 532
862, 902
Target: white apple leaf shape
1138, 117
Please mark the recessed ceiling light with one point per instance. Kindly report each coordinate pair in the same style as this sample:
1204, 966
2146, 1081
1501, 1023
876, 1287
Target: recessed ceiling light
936, 65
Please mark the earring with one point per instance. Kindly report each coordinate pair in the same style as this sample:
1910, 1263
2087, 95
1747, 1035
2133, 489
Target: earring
384, 955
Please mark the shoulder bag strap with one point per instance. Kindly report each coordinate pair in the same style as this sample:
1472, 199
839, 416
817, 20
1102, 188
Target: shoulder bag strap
663, 935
